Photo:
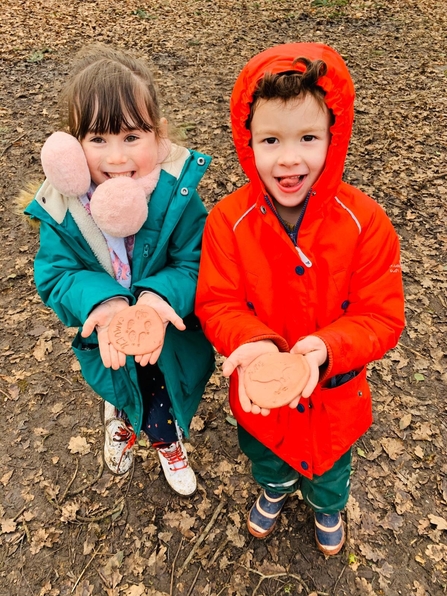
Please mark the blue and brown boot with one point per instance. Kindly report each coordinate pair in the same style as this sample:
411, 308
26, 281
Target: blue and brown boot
265, 513
329, 533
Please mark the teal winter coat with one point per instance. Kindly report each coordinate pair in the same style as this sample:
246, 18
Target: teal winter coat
73, 274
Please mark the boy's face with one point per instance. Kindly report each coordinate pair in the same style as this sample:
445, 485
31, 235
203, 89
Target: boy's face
290, 142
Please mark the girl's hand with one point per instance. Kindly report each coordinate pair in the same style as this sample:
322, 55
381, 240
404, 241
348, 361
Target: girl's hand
100, 318
314, 350
167, 314
240, 359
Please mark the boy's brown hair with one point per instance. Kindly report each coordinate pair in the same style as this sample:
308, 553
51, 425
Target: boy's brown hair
290, 85
109, 91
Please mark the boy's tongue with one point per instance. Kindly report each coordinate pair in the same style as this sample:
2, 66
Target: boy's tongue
290, 181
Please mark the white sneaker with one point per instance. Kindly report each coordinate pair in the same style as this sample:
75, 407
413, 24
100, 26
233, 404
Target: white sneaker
118, 441
178, 472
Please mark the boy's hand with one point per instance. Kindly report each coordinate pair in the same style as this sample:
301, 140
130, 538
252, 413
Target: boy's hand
167, 314
240, 359
100, 318
315, 351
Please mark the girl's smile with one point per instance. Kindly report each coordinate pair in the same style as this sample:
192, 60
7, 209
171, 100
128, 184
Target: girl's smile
130, 153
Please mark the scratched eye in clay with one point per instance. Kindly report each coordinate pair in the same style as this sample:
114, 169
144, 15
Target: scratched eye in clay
273, 380
136, 330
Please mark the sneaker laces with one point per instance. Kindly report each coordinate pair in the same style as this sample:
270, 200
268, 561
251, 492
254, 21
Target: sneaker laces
124, 435
174, 455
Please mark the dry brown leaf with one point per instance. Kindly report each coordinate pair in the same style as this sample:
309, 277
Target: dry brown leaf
436, 552
182, 521
437, 521
79, 445
8, 525
234, 536
197, 424
43, 538
6, 478
393, 447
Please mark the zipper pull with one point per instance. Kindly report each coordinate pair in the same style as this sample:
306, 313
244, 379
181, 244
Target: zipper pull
303, 257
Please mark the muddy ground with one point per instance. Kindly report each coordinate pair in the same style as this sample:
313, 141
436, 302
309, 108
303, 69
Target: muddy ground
69, 527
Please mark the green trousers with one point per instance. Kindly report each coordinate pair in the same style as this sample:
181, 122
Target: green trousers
327, 493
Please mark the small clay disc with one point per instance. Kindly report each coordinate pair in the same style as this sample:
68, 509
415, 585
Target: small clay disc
136, 330
275, 379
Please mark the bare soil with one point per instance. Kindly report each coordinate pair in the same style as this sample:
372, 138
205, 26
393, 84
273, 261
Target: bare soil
68, 526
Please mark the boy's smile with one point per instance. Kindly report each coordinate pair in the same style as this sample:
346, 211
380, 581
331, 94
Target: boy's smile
290, 142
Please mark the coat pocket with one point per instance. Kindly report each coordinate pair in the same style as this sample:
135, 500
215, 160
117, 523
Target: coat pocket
348, 409
111, 385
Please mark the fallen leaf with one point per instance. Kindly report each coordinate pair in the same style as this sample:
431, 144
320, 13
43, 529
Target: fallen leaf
79, 445
405, 421
8, 525
6, 477
437, 521
393, 447
437, 552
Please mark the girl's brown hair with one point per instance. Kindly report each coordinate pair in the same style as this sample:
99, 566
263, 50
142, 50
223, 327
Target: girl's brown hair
290, 84
109, 91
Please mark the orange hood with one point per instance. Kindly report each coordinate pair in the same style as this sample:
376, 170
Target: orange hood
337, 84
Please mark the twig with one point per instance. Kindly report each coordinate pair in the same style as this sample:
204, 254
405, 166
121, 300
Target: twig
129, 484
11, 144
275, 575
203, 535
338, 579
64, 379
217, 552
171, 590
27, 532
19, 513
401, 345
119, 506
5, 394
88, 485
193, 582
85, 569
61, 500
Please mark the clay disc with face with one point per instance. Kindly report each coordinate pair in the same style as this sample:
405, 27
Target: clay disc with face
136, 330
275, 379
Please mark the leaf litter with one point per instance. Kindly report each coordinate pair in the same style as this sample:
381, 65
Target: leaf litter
69, 527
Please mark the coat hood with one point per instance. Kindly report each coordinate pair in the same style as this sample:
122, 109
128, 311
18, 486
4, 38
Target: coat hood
337, 84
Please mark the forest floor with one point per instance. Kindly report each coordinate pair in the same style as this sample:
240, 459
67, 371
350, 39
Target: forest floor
68, 526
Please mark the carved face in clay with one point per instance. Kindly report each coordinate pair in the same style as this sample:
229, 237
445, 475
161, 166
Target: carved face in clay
275, 379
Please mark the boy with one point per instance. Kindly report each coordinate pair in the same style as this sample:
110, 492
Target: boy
297, 260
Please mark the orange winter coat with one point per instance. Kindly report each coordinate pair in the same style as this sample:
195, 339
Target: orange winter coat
342, 282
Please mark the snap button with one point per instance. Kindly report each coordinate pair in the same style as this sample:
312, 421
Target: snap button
201, 161
184, 191
304, 465
300, 408
250, 305
263, 210
345, 304
44, 200
299, 270
360, 393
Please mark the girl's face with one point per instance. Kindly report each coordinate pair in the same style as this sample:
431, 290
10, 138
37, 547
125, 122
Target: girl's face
131, 153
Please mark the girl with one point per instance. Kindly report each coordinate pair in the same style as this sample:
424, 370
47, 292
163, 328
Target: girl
87, 275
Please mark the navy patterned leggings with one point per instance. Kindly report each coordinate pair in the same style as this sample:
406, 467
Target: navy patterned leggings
158, 420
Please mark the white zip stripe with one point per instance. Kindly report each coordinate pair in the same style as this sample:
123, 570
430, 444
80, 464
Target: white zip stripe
350, 213
305, 260
242, 217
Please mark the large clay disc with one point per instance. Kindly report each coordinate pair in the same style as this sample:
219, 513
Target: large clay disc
136, 330
275, 379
